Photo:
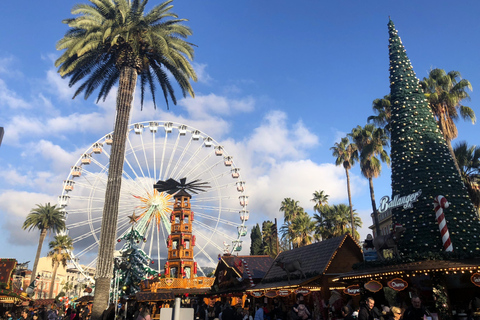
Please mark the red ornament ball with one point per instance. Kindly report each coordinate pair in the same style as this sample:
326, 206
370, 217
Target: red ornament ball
153, 262
119, 240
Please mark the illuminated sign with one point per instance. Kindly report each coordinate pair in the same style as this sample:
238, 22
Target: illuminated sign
475, 278
397, 284
352, 290
406, 201
373, 286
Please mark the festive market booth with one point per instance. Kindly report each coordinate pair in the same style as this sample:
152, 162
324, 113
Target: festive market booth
9, 298
310, 270
235, 274
434, 248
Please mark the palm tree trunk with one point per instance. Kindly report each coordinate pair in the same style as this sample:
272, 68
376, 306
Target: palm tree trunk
350, 203
452, 153
52, 283
104, 270
43, 234
374, 207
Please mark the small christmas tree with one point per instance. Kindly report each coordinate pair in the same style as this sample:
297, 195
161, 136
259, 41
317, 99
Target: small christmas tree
423, 167
133, 265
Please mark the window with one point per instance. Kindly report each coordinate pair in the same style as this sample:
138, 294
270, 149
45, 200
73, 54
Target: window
185, 219
174, 244
187, 244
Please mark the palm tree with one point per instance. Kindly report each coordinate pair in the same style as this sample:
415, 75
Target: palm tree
332, 221
468, 159
383, 112
303, 228
290, 209
59, 254
46, 218
110, 41
445, 93
371, 141
347, 154
320, 198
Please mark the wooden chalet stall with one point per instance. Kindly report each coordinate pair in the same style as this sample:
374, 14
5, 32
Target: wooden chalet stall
235, 274
312, 269
452, 283
9, 297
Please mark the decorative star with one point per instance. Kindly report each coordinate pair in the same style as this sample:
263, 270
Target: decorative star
133, 218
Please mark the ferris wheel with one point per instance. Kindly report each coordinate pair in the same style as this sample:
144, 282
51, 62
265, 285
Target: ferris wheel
157, 150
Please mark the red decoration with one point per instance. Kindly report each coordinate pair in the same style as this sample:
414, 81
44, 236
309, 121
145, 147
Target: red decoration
153, 261
397, 284
439, 204
119, 240
191, 217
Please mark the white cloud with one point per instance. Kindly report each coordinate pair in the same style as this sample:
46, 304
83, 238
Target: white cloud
202, 75
205, 106
15, 206
10, 99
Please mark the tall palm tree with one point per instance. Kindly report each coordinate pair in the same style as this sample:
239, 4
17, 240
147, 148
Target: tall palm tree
371, 142
347, 154
445, 93
468, 159
320, 198
383, 112
46, 218
112, 41
59, 254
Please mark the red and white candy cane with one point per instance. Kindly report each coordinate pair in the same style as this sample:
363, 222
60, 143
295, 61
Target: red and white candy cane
248, 273
439, 204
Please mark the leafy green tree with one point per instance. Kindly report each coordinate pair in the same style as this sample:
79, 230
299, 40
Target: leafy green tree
115, 41
371, 142
346, 154
468, 159
256, 246
445, 93
269, 237
46, 218
59, 254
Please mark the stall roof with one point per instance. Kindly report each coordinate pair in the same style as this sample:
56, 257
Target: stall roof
315, 261
413, 267
258, 265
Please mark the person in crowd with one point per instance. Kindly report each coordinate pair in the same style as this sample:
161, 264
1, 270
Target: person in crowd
8, 315
367, 311
260, 312
278, 312
299, 309
109, 313
52, 314
228, 312
346, 313
416, 311
25, 315
395, 313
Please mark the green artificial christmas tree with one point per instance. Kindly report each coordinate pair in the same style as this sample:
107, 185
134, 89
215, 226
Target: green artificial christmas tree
133, 264
422, 169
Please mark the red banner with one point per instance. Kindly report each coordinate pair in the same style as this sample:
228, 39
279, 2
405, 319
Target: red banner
353, 290
373, 286
397, 284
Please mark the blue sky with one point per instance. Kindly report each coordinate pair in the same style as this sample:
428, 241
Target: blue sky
279, 83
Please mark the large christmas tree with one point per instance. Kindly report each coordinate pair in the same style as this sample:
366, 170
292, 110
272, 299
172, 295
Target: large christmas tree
422, 168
